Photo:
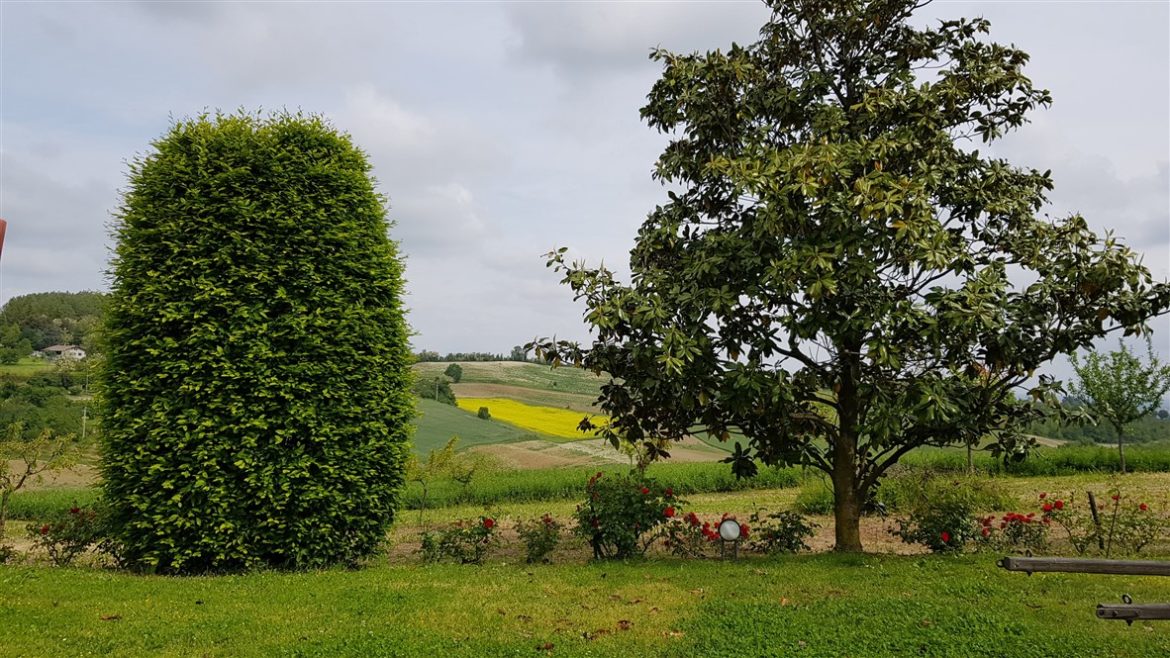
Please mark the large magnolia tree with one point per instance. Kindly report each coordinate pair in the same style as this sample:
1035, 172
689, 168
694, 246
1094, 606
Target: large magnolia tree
839, 275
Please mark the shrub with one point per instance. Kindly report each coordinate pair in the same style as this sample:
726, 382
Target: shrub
941, 512
1014, 531
8, 553
256, 387
781, 532
465, 542
540, 537
68, 533
686, 535
455, 372
621, 512
483, 414
1123, 525
907, 488
815, 497
435, 388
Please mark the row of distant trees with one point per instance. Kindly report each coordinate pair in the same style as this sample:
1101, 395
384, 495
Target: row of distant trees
518, 353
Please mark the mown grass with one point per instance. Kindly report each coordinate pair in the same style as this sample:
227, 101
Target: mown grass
811, 605
437, 423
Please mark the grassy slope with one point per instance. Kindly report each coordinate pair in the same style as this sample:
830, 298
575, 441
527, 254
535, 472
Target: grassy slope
528, 375
439, 422
814, 605
25, 368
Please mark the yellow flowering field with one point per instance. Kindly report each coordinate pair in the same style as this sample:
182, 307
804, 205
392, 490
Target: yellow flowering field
561, 423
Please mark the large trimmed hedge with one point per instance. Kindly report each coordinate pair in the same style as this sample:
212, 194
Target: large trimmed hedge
256, 386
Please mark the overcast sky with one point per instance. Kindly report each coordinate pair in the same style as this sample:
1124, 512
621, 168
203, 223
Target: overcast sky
500, 130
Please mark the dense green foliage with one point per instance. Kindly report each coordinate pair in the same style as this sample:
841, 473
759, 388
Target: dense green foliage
807, 605
830, 272
46, 400
256, 388
1119, 388
35, 321
454, 371
434, 388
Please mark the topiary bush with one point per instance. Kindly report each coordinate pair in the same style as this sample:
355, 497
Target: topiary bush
256, 386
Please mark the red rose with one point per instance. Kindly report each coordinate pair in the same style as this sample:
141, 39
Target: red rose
1143, 507
1043, 495
946, 537
45, 529
75, 510
489, 523
986, 531
746, 530
669, 492
669, 512
1059, 504
645, 490
1116, 497
1047, 507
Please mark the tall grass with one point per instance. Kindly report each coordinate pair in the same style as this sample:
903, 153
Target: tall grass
1065, 460
567, 483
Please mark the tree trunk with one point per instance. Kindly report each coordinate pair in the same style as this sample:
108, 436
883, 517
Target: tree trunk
846, 510
846, 492
1121, 451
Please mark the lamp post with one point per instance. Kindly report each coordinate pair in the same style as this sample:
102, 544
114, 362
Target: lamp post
729, 533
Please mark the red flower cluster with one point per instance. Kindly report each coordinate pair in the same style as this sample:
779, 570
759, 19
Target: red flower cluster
669, 512
1012, 517
669, 493
945, 536
45, 529
645, 491
1143, 507
710, 533
546, 519
692, 519
489, 523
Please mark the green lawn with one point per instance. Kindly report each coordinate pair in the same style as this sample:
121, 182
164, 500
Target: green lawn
438, 422
814, 605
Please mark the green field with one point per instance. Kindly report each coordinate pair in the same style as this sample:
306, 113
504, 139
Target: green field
438, 422
25, 368
564, 379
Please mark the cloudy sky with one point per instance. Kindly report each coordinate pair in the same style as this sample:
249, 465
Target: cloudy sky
499, 130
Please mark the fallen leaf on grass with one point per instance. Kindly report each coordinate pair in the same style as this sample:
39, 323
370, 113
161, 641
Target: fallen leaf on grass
673, 634
523, 618
547, 646
110, 617
654, 611
783, 600
624, 624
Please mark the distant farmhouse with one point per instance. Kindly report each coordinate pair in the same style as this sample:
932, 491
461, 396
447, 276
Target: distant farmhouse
54, 352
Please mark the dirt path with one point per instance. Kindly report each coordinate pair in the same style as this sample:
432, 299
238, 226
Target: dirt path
546, 454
